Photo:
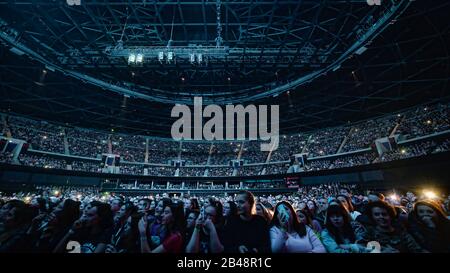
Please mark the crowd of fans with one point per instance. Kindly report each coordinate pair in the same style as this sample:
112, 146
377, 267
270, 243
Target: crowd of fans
407, 150
326, 142
41, 135
329, 218
42, 161
415, 149
363, 135
287, 146
425, 120
418, 122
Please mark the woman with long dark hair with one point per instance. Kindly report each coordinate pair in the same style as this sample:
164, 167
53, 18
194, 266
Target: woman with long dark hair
93, 230
347, 204
208, 231
339, 235
288, 234
305, 216
172, 218
55, 225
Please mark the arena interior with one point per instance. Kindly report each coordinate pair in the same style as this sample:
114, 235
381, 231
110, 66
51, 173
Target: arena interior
88, 90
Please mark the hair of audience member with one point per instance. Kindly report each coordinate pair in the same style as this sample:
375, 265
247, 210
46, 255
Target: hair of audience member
69, 213
308, 215
347, 228
267, 214
349, 202
378, 194
23, 214
104, 214
194, 204
233, 208
296, 225
219, 212
42, 203
250, 199
345, 189
314, 203
179, 222
130, 208
188, 212
383, 205
434, 205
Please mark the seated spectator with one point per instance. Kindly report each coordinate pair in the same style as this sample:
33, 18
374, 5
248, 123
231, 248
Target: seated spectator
305, 217
190, 223
261, 210
339, 235
248, 232
322, 206
47, 230
93, 230
143, 206
120, 220
430, 227
288, 234
208, 231
127, 240
15, 221
392, 238
116, 204
229, 211
347, 204
172, 219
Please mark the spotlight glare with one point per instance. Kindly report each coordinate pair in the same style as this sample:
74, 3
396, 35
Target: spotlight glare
430, 194
394, 197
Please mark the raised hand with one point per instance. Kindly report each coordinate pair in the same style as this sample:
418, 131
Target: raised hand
143, 226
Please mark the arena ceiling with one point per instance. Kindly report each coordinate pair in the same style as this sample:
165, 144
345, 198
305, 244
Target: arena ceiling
326, 63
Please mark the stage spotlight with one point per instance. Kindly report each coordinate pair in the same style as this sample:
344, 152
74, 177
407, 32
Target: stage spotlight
430, 194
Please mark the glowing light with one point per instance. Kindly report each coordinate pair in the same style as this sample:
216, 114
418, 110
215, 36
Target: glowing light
56, 193
139, 58
169, 56
27, 199
394, 197
430, 194
131, 58
403, 151
79, 196
428, 121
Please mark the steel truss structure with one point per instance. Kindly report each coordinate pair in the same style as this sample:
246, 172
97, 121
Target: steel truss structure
324, 62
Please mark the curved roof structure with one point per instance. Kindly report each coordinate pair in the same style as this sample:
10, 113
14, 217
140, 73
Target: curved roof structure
324, 62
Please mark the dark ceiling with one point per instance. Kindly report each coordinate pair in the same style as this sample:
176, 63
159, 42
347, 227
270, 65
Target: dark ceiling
406, 64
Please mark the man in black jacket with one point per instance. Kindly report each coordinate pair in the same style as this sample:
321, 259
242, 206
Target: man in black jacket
247, 232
